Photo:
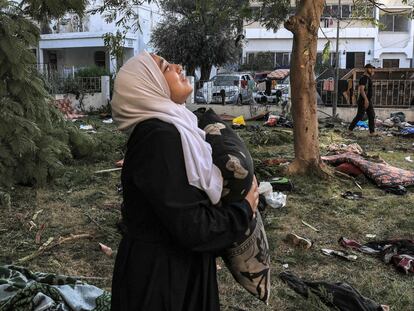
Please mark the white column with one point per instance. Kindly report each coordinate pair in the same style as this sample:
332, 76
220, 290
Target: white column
112, 64
40, 60
105, 89
190, 99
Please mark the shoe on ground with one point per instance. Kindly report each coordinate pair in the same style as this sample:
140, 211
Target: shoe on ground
298, 241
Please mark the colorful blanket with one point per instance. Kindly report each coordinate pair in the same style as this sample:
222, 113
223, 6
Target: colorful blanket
23, 290
65, 106
383, 174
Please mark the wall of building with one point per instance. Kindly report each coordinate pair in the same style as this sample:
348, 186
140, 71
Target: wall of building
345, 113
80, 57
355, 36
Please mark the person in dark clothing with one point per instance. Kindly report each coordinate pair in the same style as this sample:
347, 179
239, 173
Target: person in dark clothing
365, 100
173, 227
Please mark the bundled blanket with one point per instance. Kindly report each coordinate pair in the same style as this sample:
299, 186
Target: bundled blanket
383, 174
22, 290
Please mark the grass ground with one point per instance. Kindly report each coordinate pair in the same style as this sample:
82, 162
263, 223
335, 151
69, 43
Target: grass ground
84, 202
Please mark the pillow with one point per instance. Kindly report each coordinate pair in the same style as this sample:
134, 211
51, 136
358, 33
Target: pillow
230, 155
248, 260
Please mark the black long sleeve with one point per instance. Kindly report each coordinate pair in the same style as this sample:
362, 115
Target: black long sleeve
155, 162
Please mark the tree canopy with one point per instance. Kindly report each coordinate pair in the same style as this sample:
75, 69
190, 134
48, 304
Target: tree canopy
201, 33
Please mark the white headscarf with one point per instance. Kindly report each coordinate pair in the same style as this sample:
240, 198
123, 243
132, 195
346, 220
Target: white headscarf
141, 93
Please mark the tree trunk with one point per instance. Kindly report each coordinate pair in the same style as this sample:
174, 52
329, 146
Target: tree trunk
304, 26
205, 72
190, 71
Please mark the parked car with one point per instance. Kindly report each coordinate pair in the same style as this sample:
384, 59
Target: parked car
234, 88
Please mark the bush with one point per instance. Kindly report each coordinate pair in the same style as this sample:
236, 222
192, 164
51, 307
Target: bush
93, 71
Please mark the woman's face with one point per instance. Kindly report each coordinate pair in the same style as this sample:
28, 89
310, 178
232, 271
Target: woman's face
180, 87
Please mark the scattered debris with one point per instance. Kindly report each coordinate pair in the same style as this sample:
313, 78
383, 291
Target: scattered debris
49, 245
286, 266
108, 121
276, 199
281, 184
36, 214
342, 295
265, 188
119, 163
398, 190
239, 121
86, 127
371, 236
109, 170
340, 254
352, 195
310, 226
275, 161
39, 233
298, 241
399, 252
408, 159
105, 249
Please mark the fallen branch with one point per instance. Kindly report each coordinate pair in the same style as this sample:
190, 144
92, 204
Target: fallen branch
109, 170
49, 245
310, 226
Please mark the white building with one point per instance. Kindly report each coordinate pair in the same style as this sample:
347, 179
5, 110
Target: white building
360, 42
76, 43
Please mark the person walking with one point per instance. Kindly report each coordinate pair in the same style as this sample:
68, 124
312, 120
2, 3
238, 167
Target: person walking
365, 100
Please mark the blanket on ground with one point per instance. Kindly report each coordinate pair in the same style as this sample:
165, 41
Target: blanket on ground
383, 174
22, 290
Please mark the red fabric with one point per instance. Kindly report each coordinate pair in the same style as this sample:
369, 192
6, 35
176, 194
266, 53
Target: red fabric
349, 169
65, 106
276, 161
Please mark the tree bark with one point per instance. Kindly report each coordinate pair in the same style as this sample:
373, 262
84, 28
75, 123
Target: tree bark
205, 72
304, 26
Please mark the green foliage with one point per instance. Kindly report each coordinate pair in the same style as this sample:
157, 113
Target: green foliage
272, 13
33, 134
93, 71
44, 11
49, 9
200, 33
115, 44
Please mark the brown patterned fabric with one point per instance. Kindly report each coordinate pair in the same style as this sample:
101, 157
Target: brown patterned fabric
249, 262
65, 106
383, 174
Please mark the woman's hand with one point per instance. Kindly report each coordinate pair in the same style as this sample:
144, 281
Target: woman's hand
253, 196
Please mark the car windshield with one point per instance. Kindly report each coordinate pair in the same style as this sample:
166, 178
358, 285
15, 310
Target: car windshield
225, 80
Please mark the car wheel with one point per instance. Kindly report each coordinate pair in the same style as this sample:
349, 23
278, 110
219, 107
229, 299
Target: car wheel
239, 101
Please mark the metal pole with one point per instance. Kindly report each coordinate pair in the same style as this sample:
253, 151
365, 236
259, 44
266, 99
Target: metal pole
336, 97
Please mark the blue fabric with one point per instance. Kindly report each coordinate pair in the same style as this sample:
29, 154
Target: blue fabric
407, 131
362, 124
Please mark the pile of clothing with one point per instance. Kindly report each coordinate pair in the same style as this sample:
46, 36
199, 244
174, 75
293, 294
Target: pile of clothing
22, 290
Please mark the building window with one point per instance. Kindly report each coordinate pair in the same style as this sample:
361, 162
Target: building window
249, 58
391, 63
331, 61
355, 60
282, 59
100, 58
394, 23
346, 11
